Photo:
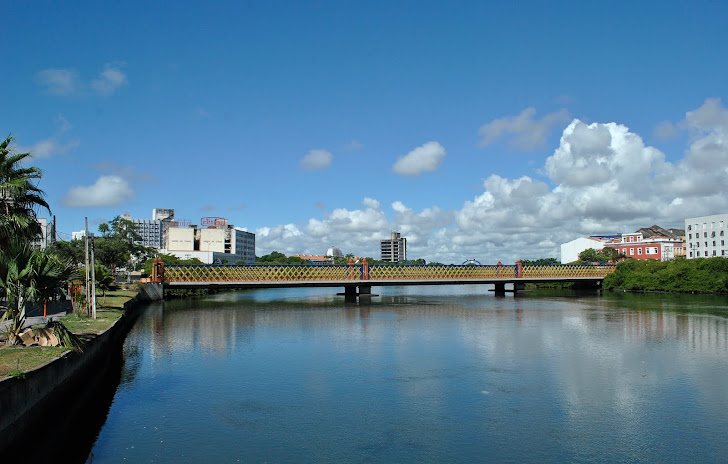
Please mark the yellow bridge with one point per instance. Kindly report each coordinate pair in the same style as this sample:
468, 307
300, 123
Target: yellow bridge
363, 276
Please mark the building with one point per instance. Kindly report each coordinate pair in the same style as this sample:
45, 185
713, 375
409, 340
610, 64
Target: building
153, 232
219, 242
645, 250
47, 234
394, 249
646, 243
706, 236
316, 260
80, 235
570, 250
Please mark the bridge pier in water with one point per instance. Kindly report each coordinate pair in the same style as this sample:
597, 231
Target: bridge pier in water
352, 292
500, 288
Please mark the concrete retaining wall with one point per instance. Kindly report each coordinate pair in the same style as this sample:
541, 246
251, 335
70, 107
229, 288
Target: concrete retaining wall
25, 400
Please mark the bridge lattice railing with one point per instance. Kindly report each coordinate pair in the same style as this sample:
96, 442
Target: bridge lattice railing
258, 273
343, 273
567, 270
454, 272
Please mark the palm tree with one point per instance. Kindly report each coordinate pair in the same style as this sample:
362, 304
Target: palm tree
104, 279
27, 275
19, 196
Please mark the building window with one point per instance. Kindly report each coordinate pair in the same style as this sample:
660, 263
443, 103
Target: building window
703, 225
688, 226
691, 254
690, 236
722, 243
639, 251
713, 252
705, 234
631, 251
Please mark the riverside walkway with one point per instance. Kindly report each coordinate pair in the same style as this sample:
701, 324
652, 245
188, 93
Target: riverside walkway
359, 278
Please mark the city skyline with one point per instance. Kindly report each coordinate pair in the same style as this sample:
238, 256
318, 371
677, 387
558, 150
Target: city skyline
494, 132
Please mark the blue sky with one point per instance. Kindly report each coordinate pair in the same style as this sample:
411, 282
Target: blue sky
494, 131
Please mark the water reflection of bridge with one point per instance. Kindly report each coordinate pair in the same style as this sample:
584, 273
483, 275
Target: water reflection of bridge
358, 279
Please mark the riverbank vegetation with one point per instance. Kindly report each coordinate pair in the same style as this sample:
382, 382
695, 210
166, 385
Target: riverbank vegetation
701, 275
32, 277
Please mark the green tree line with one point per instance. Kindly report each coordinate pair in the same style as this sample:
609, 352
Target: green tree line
703, 275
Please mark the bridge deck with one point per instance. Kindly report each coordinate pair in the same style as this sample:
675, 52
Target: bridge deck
372, 283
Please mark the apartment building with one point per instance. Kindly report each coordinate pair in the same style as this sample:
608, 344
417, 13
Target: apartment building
705, 236
394, 249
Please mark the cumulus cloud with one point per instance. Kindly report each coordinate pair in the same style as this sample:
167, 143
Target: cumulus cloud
527, 132
371, 203
106, 191
66, 81
425, 158
316, 159
601, 178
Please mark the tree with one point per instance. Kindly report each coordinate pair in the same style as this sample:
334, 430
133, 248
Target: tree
104, 229
607, 254
272, 258
120, 246
104, 279
72, 251
540, 262
169, 259
27, 275
19, 196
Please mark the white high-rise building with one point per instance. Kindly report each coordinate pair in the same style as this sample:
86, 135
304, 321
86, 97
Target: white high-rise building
705, 236
394, 249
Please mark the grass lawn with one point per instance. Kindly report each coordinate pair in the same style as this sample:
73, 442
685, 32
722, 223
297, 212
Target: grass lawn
15, 360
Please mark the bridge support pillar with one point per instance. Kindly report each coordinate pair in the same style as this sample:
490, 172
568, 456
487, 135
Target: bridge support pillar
365, 290
518, 286
350, 293
500, 289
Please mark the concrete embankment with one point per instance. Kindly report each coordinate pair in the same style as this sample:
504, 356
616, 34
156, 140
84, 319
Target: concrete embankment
25, 401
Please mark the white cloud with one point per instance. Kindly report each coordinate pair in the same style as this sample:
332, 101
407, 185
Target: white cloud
53, 145
601, 179
399, 207
106, 191
316, 159
59, 81
425, 158
371, 203
49, 147
67, 82
109, 80
527, 132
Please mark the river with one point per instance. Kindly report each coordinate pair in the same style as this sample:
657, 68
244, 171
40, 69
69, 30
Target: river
423, 374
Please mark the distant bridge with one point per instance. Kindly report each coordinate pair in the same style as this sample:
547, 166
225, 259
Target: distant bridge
358, 279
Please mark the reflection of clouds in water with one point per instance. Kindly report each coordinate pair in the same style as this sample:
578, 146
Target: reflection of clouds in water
610, 368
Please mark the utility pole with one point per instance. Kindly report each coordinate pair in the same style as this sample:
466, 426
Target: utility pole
93, 279
88, 292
